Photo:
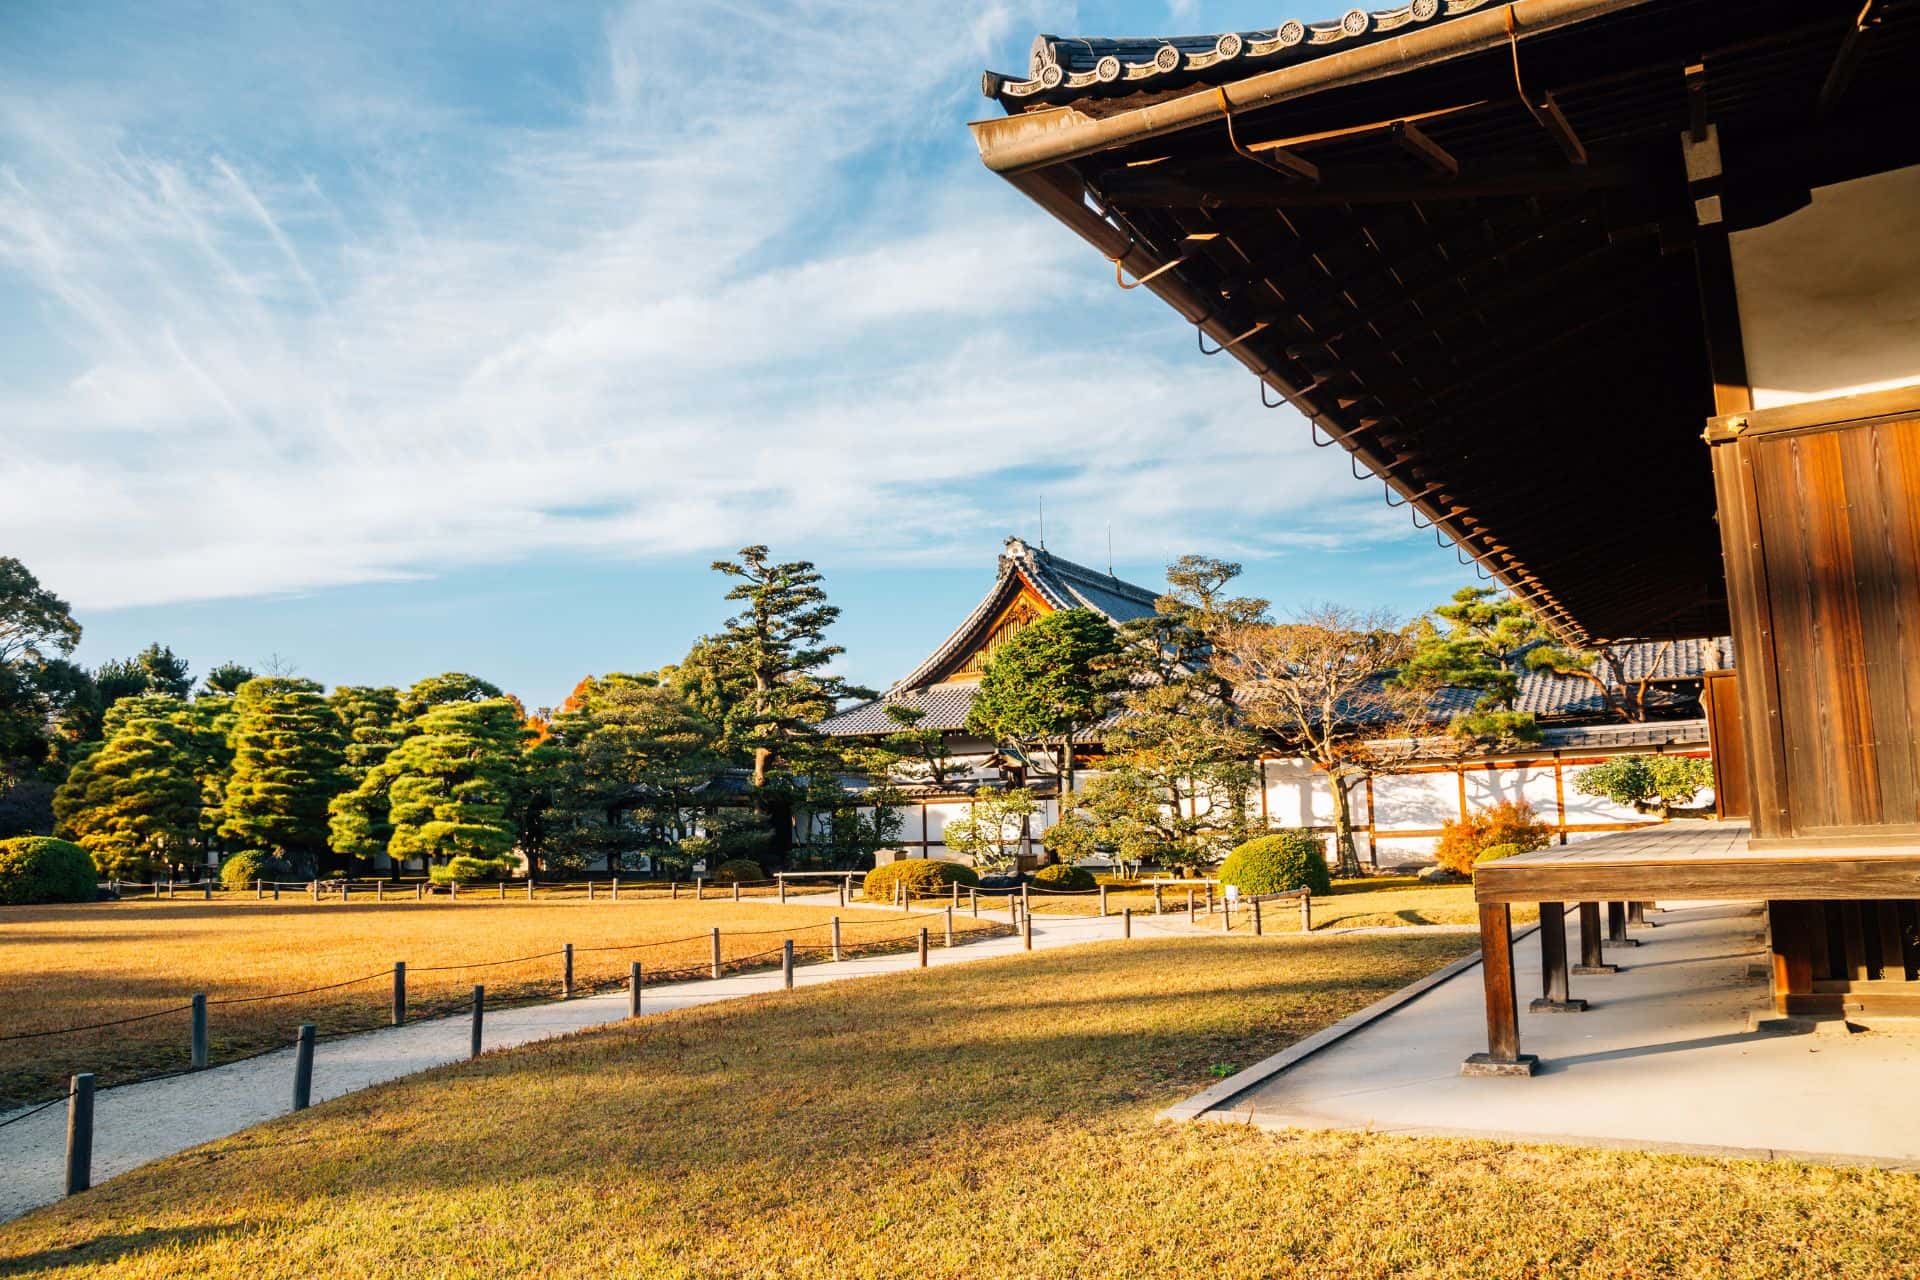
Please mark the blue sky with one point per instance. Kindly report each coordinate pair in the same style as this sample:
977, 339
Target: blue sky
389, 339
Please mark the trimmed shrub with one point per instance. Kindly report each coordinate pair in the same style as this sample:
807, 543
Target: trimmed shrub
1062, 876
465, 870
740, 870
923, 876
242, 869
42, 869
1279, 863
1509, 822
1495, 852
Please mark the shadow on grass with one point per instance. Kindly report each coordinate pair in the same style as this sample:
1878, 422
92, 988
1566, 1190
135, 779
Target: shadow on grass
107, 1250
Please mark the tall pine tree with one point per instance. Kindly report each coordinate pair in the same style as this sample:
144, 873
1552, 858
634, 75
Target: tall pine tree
134, 801
288, 761
358, 822
452, 784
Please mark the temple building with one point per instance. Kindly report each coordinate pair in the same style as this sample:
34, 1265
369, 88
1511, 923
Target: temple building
1397, 815
1618, 297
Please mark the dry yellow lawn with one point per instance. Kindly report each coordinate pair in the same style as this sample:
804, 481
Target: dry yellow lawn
993, 1120
68, 966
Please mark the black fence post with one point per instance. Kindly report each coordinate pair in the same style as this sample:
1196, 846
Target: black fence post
303, 1067
1257, 929
479, 1016
1306, 912
199, 1038
399, 993
566, 971
923, 948
786, 963
716, 953
1026, 933
1126, 922
633, 989
836, 939
949, 926
80, 1133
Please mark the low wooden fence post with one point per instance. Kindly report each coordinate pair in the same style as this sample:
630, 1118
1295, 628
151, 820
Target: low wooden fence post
1026, 903
786, 963
589, 890
420, 891
503, 890
1158, 906
633, 989
399, 993
956, 893
529, 888
736, 891
379, 890
699, 888
198, 1049
1103, 902
616, 888
1126, 922
303, 1067
1306, 912
315, 886
716, 953
566, 971
206, 890
1257, 930
345, 888
836, 939
1026, 933
780, 878
259, 891
1209, 897
479, 1015
453, 890
673, 890
1191, 918
923, 948
80, 1133
949, 927
973, 896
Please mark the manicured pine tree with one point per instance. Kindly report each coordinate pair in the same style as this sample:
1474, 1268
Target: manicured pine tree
227, 678
358, 823
1047, 684
134, 801
451, 785
288, 759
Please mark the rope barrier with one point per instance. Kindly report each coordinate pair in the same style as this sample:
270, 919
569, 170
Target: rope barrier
95, 1026
28, 1115
282, 995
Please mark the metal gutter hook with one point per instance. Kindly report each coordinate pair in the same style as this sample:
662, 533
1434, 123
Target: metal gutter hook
1120, 279
1200, 338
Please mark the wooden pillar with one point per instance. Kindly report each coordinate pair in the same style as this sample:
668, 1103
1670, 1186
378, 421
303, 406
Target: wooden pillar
1554, 995
1503, 1056
1617, 926
1591, 959
1790, 938
1637, 915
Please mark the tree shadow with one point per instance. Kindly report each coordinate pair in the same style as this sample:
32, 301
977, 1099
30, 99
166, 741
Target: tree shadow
108, 1250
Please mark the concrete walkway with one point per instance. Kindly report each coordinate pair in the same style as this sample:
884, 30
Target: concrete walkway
1662, 1060
136, 1123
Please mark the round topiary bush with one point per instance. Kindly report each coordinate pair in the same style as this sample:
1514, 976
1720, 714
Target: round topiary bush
465, 870
42, 869
1278, 863
241, 870
738, 871
922, 876
1493, 853
1065, 878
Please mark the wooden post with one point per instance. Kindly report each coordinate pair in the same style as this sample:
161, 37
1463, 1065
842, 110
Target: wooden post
479, 1015
673, 890
716, 953
616, 888
276, 893
1306, 912
206, 889
1554, 996
1637, 915
786, 963
736, 891
1258, 931
1158, 906
836, 939
453, 890
1503, 1056
699, 888
566, 971
589, 889
346, 887
1617, 926
956, 893
633, 989
1209, 897
80, 1133
258, 892
1591, 960
949, 927
529, 886
197, 1052
420, 891
380, 890
1026, 904
781, 877
169, 888
1191, 918
1126, 922
973, 897
315, 886
923, 948
303, 1067
1103, 902
1026, 933
399, 993
1013, 909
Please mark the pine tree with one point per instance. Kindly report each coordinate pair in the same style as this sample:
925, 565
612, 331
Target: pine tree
451, 785
227, 678
1046, 685
358, 823
288, 755
447, 687
134, 801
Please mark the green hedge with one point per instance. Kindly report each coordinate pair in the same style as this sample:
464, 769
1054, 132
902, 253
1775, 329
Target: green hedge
923, 876
1278, 864
1063, 877
738, 871
1494, 853
42, 869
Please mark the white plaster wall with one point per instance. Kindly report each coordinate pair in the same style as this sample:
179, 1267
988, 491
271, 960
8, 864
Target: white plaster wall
1417, 800
1830, 295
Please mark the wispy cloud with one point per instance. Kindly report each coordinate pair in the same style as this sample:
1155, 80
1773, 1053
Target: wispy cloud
735, 276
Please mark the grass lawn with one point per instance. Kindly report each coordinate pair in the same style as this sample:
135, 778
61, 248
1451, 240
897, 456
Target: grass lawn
994, 1119
1369, 901
67, 966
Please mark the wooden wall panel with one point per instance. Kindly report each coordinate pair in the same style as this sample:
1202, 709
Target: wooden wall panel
1825, 524
1726, 738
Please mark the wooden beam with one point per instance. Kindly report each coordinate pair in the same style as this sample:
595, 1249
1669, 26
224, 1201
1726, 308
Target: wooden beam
1562, 132
1840, 74
1149, 189
1424, 149
1821, 878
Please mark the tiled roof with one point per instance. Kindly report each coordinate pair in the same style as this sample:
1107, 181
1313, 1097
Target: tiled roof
946, 707
1065, 69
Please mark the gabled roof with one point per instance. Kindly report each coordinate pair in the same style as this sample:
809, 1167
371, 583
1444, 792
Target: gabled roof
1071, 69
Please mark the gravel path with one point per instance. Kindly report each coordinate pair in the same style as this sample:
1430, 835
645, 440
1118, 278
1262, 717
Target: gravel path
136, 1123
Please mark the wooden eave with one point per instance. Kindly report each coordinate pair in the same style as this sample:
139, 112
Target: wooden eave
1511, 342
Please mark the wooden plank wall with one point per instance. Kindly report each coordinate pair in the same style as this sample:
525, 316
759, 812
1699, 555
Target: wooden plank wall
1821, 527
